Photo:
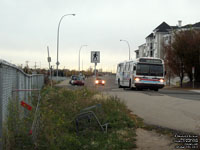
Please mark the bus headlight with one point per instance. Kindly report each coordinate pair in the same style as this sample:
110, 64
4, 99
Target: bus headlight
161, 80
137, 79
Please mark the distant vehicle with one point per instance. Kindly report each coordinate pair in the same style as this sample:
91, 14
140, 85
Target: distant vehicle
144, 73
99, 81
82, 77
76, 80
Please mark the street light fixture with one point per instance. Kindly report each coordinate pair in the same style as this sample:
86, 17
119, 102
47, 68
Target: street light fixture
57, 63
79, 57
128, 47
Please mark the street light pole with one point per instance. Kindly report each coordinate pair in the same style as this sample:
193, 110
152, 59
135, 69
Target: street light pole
79, 57
128, 47
57, 63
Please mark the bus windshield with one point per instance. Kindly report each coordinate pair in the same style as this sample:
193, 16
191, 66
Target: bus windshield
149, 69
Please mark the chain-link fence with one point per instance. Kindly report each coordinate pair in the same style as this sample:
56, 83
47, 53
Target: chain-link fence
12, 78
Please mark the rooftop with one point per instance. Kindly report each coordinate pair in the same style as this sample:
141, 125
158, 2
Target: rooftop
163, 27
196, 25
150, 36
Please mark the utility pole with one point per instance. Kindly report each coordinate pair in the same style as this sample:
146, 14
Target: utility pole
79, 57
129, 58
35, 66
82, 64
50, 67
57, 63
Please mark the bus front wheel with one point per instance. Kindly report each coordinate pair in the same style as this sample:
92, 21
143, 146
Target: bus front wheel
119, 86
139, 88
156, 89
130, 86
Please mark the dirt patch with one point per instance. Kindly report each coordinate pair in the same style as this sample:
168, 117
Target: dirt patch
150, 140
63, 83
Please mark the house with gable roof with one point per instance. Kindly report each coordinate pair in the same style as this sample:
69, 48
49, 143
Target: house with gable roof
162, 34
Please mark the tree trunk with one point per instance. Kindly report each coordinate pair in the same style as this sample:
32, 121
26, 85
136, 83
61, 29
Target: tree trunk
181, 82
181, 78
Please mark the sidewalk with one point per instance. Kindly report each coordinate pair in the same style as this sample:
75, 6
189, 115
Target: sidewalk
183, 88
63, 83
198, 90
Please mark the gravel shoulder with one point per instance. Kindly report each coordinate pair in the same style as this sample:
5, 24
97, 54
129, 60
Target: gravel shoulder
150, 140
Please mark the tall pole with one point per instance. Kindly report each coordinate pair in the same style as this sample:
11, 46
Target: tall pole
95, 65
82, 64
128, 47
79, 57
35, 65
49, 61
57, 63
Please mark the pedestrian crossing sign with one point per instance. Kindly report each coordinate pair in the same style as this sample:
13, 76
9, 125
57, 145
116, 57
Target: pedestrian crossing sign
95, 56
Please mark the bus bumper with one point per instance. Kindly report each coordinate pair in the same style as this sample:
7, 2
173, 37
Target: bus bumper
149, 86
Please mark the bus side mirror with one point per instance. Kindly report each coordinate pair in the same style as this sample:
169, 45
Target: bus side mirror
134, 68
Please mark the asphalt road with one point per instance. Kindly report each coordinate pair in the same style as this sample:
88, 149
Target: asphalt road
171, 108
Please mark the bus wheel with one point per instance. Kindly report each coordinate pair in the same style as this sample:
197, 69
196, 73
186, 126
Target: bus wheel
139, 88
155, 89
130, 84
119, 86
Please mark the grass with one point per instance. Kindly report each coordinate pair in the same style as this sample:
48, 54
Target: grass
56, 131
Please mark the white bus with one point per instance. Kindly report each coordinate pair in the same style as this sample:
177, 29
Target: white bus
144, 73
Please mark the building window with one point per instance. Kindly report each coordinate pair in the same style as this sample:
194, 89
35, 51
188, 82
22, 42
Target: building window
137, 55
151, 53
151, 45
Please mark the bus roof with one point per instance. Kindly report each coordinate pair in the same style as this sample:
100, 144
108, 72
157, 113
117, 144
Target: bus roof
142, 60
150, 60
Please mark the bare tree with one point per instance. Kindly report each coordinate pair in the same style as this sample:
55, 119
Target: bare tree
183, 53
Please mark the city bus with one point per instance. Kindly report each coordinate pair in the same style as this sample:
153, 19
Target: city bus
143, 73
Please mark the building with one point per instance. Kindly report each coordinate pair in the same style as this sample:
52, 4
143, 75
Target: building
141, 52
161, 35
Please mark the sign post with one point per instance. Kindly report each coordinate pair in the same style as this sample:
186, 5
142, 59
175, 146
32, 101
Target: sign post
193, 71
49, 61
95, 58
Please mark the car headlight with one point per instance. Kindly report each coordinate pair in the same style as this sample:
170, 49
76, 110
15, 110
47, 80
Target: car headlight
137, 79
161, 80
103, 82
96, 81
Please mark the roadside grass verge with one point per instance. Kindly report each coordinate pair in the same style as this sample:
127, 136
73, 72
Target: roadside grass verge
57, 131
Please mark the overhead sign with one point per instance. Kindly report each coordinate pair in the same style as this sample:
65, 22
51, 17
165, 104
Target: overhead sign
95, 56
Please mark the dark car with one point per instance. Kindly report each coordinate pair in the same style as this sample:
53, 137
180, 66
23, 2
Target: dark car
100, 81
76, 80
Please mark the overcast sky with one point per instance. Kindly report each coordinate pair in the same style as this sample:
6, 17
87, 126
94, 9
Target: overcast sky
27, 27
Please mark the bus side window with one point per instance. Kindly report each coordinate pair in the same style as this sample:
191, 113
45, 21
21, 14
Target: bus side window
129, 66
134, 68
118, 68
121, 68
126, 67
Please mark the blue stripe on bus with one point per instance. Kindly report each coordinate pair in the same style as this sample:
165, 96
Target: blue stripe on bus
143, 81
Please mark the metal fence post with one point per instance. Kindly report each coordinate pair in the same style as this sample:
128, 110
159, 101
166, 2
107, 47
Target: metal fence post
1, 107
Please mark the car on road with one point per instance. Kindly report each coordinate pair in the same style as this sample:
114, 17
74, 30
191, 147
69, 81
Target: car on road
99, 81
76, 80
